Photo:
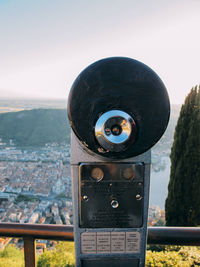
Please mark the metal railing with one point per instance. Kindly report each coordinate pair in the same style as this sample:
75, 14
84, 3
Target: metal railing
186, 236
31, 232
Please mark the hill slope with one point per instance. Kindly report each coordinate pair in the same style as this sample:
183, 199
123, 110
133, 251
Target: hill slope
35, 127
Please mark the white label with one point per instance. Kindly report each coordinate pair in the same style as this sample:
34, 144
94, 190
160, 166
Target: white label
103, 242
117, 242
132, 242
88, 243
110, 242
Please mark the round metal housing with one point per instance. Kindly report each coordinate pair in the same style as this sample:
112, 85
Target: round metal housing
122, 84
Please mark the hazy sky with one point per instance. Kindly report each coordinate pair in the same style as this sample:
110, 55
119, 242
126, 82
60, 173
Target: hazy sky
45, 44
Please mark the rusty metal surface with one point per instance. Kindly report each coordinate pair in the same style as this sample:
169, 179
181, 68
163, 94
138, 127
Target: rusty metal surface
37, 231
29, 252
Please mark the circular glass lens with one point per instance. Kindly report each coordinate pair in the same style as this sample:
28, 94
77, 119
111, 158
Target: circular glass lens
116, 130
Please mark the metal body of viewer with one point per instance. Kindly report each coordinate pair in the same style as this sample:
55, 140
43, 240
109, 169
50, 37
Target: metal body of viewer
118, 109
102, 237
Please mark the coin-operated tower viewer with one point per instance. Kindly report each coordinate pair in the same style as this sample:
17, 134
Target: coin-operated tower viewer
118, 109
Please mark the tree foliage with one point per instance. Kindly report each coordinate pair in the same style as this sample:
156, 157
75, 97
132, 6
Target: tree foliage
61, 256
183, 257
26, 198
35, 127
183, 200
11, 256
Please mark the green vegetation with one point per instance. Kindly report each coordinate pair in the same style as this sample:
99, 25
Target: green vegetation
25, 198
62, 256
11, 256
183, 201
184, 257
35, 127
61, 195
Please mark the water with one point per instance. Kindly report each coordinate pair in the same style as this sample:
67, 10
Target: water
159, 185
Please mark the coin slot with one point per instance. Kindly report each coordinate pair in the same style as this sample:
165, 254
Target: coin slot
128, 173
97, 174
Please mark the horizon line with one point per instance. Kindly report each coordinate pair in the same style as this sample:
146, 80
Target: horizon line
50, 99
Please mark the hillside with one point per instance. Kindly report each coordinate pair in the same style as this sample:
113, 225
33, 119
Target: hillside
35, 127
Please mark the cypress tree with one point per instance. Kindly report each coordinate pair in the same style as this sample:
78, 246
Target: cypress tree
182, 205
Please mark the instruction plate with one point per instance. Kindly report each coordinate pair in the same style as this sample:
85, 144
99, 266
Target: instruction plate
110, 242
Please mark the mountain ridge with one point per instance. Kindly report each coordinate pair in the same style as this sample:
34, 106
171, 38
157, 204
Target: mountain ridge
37, 127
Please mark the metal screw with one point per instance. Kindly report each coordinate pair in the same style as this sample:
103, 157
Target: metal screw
85, 198
114, 204
138, 197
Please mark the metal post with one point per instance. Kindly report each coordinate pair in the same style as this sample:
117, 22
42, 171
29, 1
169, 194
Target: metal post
29, 252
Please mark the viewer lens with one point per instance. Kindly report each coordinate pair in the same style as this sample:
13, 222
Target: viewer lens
116, 129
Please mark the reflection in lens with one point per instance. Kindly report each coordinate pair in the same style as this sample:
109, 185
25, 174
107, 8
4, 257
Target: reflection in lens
115, 130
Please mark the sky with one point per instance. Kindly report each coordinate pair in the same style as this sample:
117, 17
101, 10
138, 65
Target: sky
45, 44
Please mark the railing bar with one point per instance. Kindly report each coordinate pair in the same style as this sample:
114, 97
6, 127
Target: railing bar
29, 252
188, 236
184, 236
38, 231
